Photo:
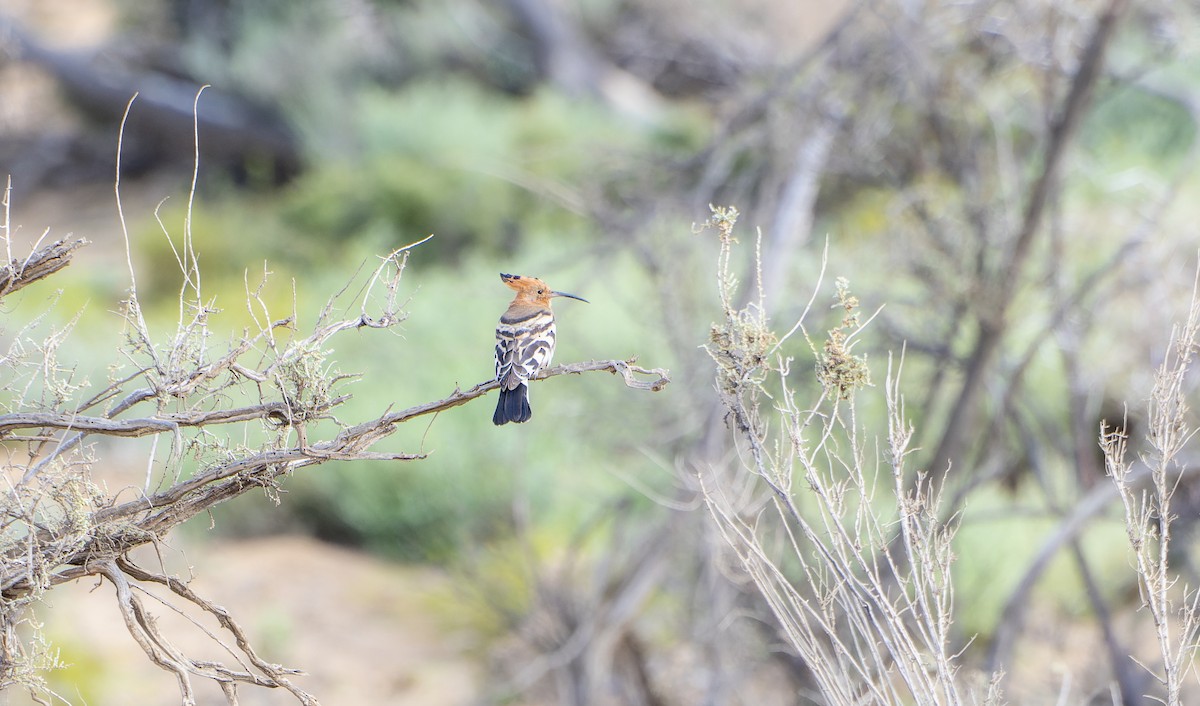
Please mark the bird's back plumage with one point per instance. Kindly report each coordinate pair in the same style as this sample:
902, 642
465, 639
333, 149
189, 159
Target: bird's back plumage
524, 346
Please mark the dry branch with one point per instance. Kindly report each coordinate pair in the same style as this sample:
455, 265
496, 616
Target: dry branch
625, 368
1150, 512
276, 675
149, 517
45, 557
869, 615
40, 264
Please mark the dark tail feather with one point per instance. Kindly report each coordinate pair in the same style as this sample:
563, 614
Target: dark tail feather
513, 406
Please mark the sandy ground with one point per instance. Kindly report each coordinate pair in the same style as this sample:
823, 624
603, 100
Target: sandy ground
365, 631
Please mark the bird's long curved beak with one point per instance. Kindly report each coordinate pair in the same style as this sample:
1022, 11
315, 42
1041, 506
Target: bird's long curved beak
572, 296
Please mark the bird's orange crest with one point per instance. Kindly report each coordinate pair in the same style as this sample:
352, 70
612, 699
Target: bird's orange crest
531, 290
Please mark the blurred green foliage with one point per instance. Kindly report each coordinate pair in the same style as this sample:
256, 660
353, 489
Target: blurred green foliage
485, 173
463, 494
481, 170
1138, 127
561, 462
995, 547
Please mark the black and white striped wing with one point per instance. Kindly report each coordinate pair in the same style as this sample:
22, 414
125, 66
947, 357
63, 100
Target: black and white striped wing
524, 345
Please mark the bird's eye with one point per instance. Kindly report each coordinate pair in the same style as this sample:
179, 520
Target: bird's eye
541, 291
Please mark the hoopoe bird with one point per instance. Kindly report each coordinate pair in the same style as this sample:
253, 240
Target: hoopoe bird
524, 345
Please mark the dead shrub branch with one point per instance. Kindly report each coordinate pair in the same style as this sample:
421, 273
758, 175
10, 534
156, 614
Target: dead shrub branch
855, 569
1149, 517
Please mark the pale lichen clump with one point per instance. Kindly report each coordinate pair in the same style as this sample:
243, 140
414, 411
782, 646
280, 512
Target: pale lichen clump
839, 370
742, 344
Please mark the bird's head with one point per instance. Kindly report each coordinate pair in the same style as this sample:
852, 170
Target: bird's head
533, 290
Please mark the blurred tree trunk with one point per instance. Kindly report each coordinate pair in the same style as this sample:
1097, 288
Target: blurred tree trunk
234, 131
992, 320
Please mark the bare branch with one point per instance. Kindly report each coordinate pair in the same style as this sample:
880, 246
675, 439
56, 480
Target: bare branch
625, 368
138, 427
277, 675
40, 264
153, 515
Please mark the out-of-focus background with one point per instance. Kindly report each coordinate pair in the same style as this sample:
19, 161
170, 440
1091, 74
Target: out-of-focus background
570, 560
